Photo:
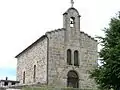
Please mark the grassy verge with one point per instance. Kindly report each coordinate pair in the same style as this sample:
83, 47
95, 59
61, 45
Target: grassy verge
52, 88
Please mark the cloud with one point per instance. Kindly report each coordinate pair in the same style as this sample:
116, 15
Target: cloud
9, 63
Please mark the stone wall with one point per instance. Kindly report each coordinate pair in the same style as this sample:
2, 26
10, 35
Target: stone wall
57, 63
88, 60
56, 57
1, 88
35, 55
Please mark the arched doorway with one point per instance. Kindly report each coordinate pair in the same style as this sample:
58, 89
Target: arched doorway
72, 79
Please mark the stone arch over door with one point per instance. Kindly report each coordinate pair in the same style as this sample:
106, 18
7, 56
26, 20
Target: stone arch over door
72, 79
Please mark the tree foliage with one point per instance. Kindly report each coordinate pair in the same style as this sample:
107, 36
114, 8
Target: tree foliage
107, 76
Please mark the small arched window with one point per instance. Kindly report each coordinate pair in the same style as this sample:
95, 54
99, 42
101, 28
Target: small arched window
34, 73
76, 56
24, 77
69, 57
72, 21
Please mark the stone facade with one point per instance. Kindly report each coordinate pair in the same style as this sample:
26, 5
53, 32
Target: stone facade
35, 55
49, 54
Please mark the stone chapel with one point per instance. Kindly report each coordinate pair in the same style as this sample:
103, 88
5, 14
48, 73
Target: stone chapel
61, 58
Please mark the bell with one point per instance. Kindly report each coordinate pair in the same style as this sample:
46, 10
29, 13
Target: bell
71, 22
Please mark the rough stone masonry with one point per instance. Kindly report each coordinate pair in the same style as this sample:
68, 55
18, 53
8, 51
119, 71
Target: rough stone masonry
49, 55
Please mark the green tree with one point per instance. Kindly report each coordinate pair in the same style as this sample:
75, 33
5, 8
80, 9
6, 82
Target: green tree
107, 76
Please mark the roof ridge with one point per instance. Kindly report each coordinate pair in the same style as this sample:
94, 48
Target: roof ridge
56, 30
88, 36
41, 38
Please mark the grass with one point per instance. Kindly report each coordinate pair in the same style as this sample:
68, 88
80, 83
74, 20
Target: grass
52, 88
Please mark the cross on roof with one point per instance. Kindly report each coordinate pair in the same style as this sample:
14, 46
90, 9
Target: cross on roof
72, 2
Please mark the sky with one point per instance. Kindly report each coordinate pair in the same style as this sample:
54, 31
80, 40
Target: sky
24, 21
